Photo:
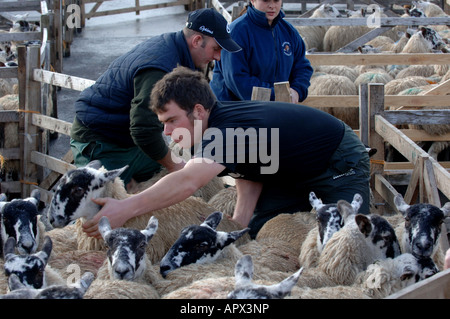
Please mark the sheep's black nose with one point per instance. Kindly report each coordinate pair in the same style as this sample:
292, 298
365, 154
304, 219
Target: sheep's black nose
164, 270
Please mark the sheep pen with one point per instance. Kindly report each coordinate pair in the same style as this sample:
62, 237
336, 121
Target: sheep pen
92, 262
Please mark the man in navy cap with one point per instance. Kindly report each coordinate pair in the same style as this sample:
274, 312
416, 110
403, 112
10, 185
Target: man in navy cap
113, 121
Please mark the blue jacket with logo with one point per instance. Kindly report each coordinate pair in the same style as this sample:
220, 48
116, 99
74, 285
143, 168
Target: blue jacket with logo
270, 53
104, 107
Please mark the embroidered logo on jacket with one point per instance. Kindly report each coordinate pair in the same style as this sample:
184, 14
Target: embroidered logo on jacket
287, 48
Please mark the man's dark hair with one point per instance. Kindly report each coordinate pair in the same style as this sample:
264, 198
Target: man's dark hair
183, 86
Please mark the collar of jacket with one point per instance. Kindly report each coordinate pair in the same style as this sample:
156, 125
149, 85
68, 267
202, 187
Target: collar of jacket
259, 17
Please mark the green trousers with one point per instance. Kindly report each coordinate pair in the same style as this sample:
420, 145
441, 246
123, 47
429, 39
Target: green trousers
140, 166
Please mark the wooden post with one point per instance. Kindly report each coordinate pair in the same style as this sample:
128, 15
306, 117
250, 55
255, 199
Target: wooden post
31, 173
261, 94
376, 106
282, 92
364, 114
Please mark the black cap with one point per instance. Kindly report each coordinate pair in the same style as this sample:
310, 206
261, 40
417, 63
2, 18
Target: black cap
211, 23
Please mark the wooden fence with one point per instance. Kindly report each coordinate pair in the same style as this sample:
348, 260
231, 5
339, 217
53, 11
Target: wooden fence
427, 175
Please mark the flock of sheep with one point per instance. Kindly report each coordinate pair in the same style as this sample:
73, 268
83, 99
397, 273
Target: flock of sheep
397, 79
194, 250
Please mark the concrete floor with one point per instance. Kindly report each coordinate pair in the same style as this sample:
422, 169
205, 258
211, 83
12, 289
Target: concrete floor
101, 41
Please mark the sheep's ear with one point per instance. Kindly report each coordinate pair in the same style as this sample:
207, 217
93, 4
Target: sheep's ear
96, 164
14, 283
315, 202
364, 224
85, 281
407, 272
399, 202
213, 220
112, 174
243, 271
357, 202
9, 247
224, 239
446, 209
3, 197
284, 288
104, 227
2, 205
345, 209
35, 197
47, 247
151, 228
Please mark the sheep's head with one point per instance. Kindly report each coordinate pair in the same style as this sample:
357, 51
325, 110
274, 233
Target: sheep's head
331, 217
422, 226
30, 269
127, 248
76, 188
246, 289
75, 291
19, 221
379, 235
199, 244
329, 11
432, 37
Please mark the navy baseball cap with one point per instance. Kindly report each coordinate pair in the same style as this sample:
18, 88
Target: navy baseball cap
211, 23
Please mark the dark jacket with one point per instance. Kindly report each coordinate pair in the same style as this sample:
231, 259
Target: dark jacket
270, 53
104, 108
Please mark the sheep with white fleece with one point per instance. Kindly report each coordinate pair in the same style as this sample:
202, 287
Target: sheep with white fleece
330, 219
363, 240
33, 270
313, 35
72, 201
202, 252
127, 262
20, 220
420, 232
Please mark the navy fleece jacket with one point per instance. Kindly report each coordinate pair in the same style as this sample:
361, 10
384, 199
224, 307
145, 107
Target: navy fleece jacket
270, 53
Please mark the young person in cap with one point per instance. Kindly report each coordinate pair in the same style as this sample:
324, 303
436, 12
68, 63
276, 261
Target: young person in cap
113, 122
272, 51
278, 153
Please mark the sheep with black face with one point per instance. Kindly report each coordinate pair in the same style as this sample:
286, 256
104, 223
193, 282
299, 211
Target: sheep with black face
19, 219
421, 231
199, 244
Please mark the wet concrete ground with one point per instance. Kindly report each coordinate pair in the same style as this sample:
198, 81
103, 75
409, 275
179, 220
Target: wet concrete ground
101, 41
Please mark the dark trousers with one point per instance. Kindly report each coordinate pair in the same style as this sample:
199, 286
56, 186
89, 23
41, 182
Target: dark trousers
348, 173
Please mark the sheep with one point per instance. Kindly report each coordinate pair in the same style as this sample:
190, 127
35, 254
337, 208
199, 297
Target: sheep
127, 257
225, 200
337, 37
19, 220
421, 231
363, 240
72, 201
429, 9
424, 40
416, 70
313, 35
381, 279
396, 86
33, 270
75, 291
330, 219
343, 70
199, 253
373, 76
246, 289
127, 262
330, 84
291, 228
199, 244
